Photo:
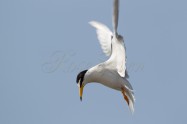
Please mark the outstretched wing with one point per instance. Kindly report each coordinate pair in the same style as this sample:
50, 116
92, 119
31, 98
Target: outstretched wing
115, 15
104, 36
121, 61
119, 55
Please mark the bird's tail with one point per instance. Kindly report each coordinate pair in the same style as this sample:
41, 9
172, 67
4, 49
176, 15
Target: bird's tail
129, 97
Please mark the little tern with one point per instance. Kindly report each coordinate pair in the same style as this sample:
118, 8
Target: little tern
111, 73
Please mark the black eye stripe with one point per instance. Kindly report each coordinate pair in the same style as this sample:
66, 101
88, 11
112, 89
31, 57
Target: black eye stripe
81, 82
80, 77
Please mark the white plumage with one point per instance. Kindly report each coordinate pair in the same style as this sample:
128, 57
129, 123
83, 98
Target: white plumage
109, 43
104, 36
111, 73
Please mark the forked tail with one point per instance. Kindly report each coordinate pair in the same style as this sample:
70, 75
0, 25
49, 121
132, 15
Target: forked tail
128, 95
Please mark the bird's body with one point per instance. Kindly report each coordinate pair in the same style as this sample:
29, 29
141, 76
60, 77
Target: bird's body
106, 73
103, 74
111, 73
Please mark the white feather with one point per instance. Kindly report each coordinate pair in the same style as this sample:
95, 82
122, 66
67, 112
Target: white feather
104, 36
117, 52
118, 56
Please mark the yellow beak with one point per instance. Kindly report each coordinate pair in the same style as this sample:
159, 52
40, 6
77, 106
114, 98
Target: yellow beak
81, 92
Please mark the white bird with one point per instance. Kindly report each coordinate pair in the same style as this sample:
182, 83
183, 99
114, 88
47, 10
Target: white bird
111, 73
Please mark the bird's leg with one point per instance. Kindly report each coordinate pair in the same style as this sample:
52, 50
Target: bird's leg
124, 95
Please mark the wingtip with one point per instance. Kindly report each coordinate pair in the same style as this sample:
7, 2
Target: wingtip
90, 22
95, 24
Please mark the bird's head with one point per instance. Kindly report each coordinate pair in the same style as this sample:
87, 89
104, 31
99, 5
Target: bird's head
80, 82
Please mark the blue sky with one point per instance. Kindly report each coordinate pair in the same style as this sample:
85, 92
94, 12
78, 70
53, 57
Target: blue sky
44, 44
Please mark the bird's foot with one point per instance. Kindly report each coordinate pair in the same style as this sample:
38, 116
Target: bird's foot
125, 96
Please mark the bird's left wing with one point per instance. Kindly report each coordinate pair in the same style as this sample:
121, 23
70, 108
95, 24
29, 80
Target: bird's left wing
120, 56
121, 59
104, 36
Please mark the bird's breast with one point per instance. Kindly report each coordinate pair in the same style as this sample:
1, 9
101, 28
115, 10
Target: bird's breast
106, 77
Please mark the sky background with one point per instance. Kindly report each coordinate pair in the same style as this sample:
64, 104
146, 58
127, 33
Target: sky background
44, 44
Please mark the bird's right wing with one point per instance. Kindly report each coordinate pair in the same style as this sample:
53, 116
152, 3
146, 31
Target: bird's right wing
115, 15
104, 36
